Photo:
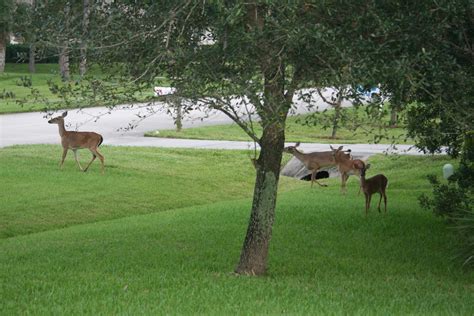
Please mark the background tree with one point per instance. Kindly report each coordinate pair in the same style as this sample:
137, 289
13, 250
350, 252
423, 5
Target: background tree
24, 28
83, 42
6, 10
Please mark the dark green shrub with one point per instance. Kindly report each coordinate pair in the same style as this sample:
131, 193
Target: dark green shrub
19, 53
454, 200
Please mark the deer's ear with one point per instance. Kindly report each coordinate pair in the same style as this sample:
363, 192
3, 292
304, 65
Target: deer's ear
64, 114
331, 147
340, 147
297, 144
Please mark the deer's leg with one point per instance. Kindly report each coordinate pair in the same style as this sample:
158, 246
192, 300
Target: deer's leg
95, 154
77, 160
64, 157
101, 158
344, 177
367, 206
313, 179
360, 186
380, 201
92, 160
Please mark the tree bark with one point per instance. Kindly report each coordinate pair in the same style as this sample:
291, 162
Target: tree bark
31, 59
85, 25
253, 258
337, 114
394, 117
3, 46
64, 63
64, 49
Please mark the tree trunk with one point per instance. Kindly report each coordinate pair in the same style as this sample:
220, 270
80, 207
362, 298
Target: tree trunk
253, 258
394, 117
3, 46
64, 49
31, 59
85, 24
179, 115
337, 114
64, 63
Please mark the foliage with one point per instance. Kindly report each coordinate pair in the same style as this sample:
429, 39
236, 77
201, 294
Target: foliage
6, 17
433, 68
18, 53
455, 199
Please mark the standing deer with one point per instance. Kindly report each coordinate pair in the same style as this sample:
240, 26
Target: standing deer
78, 140
312, 161
377, 183
346, 165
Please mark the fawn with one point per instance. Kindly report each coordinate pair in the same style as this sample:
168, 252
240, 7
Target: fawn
376, 184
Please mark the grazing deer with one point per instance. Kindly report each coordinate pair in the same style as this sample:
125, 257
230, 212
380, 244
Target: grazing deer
346, 165
312, 161
377, 183
78, 140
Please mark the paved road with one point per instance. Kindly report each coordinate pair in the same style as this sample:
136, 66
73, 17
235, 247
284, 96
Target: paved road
32, 128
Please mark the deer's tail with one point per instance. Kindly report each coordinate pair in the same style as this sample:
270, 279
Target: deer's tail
101, 140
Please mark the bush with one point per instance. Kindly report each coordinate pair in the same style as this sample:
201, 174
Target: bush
19, 53
454, 200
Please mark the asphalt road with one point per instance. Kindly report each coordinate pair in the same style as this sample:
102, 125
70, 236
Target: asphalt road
33, 128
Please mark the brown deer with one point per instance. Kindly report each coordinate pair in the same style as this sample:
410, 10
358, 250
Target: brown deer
78, 140
312, 161
346, 165
377, 183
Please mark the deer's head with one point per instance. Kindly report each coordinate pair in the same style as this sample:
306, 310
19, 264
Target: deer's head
363, 169
339, 154
58, 119
291, 149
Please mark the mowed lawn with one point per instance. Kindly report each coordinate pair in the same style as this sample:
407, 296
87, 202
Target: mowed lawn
21, 91
296, 131
326, 257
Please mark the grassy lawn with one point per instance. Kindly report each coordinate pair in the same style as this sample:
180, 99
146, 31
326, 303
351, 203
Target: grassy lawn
25, 100
161, 231
11, 81
137, 181
295, 131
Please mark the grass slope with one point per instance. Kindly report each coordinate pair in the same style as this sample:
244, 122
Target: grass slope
35, 195
326, 257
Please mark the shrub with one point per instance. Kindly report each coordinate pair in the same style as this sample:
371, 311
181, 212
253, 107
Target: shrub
19, 53
454, 200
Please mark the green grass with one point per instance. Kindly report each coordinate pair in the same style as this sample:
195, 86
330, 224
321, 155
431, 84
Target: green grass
326, 257
295, 132
10, 81
39, 97
137, 181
